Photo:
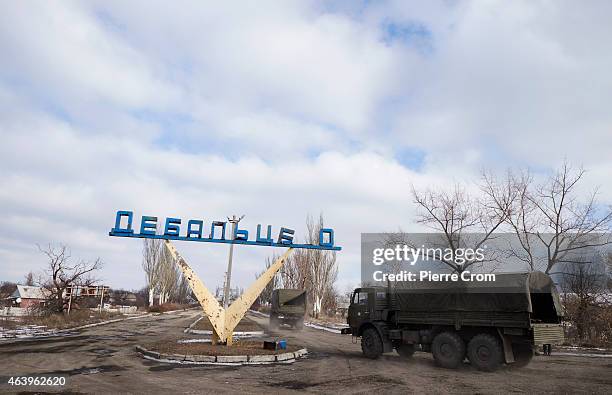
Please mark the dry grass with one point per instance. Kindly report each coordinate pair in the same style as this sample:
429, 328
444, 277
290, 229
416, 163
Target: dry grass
8, 323
75, 318
243, 347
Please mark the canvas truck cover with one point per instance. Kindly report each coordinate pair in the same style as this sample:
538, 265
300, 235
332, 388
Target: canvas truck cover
289, 300
510, 292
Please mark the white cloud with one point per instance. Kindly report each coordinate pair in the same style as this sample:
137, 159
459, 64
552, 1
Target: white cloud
276, 110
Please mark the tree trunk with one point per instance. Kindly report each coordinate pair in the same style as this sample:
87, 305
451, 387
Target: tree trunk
317, 306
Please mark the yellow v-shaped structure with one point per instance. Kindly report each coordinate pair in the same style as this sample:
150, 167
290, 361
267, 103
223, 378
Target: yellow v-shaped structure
224, 321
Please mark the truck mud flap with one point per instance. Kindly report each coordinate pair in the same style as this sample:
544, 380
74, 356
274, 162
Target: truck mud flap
507, 347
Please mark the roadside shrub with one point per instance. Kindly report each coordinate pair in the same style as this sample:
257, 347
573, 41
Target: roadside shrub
64, 320
589, 324
167, 307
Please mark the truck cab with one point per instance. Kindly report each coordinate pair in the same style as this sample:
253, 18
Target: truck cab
367, 305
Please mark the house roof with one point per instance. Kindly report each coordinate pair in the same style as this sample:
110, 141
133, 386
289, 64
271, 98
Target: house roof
30, 292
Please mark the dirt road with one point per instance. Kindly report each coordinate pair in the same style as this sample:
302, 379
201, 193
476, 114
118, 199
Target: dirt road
102, 359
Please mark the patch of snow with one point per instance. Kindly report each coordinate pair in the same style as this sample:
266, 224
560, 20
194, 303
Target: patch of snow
320, 327
571, 354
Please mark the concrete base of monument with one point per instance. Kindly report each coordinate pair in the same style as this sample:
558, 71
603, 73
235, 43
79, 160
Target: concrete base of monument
203, 353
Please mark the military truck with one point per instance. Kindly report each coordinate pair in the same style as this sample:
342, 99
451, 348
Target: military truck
488, 322
288, 307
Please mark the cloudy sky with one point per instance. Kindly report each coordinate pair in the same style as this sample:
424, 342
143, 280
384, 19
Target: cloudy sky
277, 110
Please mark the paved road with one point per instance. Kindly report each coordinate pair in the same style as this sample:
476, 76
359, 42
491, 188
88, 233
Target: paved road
102, 359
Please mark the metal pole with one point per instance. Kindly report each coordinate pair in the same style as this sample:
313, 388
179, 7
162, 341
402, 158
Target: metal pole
228, 277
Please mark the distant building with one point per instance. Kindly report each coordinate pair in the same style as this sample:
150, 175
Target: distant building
85, 291
122, 298
28, 296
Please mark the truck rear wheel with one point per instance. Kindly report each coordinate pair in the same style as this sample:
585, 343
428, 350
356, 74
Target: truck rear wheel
273, 322
523, 353
299, 324
485, 352
405, 350
371, 343
448, 350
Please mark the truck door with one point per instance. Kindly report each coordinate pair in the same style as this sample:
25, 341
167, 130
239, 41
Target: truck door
359, 310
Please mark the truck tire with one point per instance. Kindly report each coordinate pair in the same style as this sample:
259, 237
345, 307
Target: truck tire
523, 353
299, 324
405, 350
448, 350
371, 343
485, 352
273, 322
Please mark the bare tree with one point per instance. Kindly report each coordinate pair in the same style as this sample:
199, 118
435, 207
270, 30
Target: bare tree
295, 273
322, 267
585, 296
169, 277
266, 295
549, 216
6, 290
183, 290
29, 279
463, 221
61, 274
151, 255
609, 266
313, 270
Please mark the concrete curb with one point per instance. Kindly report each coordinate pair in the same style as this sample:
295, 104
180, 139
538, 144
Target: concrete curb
226, 360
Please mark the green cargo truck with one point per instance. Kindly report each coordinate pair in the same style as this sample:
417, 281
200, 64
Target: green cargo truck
288, 307
489, 323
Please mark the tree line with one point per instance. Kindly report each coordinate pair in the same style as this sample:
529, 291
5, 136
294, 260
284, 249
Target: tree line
557, 228
315, 271
163, 276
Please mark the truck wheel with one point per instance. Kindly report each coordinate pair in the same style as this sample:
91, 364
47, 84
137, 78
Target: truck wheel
299, 324
523, 353
405, 350
371, 343
485, 352
273, 322
448, 350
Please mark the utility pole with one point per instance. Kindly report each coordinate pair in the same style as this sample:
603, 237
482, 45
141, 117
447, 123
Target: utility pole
228, 276
101, 299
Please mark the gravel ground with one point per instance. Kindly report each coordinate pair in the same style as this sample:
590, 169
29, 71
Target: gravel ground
103, 360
